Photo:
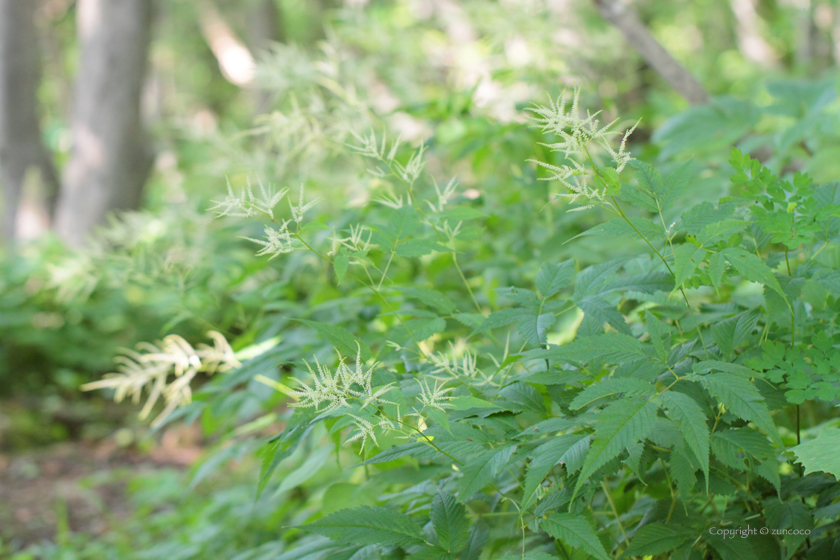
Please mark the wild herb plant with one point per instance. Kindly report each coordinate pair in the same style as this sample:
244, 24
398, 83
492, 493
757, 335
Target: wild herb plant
650, 405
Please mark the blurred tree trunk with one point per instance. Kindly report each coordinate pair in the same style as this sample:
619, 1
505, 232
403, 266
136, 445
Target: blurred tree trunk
807, 34
636, 33
21, 148
111, 157
265, 26
835, 36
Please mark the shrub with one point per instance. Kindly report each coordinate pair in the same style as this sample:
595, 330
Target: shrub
648, 404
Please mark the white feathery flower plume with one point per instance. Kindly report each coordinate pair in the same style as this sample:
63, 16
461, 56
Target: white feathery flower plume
576, 134
276, 242
336, 389
436, 396
301, 208
150, 367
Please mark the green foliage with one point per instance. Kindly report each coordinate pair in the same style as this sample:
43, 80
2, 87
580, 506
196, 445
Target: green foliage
612, 409
488, 377
369, 525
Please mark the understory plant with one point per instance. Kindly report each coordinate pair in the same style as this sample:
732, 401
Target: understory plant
669, 402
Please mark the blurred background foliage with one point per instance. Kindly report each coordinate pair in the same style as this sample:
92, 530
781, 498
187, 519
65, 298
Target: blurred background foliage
456, 75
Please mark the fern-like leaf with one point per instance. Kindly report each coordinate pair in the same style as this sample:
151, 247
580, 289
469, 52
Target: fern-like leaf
449, 519
544, 458
479, 472
657, 538
575, 531
369, 525
742, 399
609, 388
692, 422
622, 423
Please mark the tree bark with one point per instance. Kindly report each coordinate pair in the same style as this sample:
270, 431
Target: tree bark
635, 33
21, 148
264, 28
265, 25
111, 157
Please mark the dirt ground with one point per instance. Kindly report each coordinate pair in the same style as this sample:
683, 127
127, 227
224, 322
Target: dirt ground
77, 485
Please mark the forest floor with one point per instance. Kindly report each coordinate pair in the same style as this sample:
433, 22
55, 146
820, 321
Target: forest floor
79, 486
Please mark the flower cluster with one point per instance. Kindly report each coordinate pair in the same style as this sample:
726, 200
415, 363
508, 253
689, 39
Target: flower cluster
436, 396
373, 148
276, 242
357, 241
576, 135
151, 366
301, 208
247, 204
336, 389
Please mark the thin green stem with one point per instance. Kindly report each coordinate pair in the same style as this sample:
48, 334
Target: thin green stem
607, 492
371, 288
385, 272
649, 244
792, 344
662, 258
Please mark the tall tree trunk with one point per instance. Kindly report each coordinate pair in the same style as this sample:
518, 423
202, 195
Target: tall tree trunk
264, 28
627, 21
111, 157
835, 37
21, 148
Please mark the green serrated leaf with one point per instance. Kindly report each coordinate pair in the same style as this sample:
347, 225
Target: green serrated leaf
618, 227
479, 472
432, 298
821, 453
421, 329
682, 470
342, 339
694, 220
575, 531
502, 318
402, 223
792, 514
622, 423
753, 268
419, 248
693, 426
730, 548
544, 458
727, 446
369, 525
717, 266
449, 519
660, 336
554, 277
614, 348
742, 399
687, 258
657, 538
533, 327
630, 386
340, 264
601, 311
473, 320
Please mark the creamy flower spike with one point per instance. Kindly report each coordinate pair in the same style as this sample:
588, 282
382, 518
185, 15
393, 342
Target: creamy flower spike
576, 135
336, 389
